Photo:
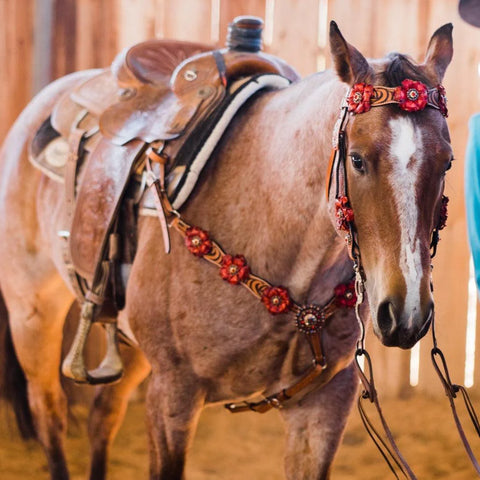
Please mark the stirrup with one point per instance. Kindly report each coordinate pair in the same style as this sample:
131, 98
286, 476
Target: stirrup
111, 367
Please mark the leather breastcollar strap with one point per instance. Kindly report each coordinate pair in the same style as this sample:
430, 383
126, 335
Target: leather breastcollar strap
309, 319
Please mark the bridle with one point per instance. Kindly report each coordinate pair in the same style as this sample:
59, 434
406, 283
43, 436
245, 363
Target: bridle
410, 96
311, 319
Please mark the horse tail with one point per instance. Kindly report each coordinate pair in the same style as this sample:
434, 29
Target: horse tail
13, 384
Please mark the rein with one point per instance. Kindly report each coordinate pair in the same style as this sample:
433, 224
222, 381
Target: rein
411, 96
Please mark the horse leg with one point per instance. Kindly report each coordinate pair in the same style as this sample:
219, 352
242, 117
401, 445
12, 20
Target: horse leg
36, 322
315, 427
174, 404
109, 408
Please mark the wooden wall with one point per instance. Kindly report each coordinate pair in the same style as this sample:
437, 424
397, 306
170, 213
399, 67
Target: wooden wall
44, 39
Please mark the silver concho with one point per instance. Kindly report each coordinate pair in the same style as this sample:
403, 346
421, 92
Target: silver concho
310, 319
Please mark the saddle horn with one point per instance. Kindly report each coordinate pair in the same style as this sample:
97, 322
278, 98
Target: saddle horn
243, 55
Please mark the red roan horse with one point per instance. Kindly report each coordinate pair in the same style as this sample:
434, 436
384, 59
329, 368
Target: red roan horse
205, 341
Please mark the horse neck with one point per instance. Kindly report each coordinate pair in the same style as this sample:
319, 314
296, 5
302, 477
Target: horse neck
270, 182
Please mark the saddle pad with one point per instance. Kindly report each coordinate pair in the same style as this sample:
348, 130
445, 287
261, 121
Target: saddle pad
104, 180
195, 153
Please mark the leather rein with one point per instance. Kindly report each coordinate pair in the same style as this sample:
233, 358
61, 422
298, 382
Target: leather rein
310, 319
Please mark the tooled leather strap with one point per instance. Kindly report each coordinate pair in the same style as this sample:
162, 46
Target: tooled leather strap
410, 96
157, 184
386, 95
310, 319
76, 139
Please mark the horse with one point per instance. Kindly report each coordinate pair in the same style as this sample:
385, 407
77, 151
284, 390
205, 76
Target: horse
205, 342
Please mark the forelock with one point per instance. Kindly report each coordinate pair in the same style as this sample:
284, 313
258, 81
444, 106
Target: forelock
396, 67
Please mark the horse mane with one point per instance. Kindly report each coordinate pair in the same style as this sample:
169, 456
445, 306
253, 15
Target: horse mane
399, 67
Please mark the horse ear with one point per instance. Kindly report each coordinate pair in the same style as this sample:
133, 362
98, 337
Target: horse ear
439, 52
350, 65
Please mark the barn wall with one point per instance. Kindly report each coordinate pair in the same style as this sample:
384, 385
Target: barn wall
88, 33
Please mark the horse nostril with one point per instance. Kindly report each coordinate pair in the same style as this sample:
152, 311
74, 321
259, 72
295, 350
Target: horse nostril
386, 318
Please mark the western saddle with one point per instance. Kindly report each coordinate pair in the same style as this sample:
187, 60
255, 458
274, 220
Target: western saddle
154, 110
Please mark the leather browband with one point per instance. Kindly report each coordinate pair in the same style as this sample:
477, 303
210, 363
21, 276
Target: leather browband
386, 95
410, 96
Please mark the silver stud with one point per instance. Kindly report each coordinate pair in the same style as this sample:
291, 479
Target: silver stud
190, 75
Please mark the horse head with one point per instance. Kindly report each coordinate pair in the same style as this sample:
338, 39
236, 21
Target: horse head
395, 161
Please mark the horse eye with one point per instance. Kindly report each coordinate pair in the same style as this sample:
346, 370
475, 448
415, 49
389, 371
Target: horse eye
357, 162
449, 165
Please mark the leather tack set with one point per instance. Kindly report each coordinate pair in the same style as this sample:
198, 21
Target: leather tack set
151, 120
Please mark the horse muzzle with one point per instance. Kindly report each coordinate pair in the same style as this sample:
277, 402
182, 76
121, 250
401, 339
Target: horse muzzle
396, 327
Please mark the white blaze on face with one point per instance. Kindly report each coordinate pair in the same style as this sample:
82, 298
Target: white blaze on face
406, 141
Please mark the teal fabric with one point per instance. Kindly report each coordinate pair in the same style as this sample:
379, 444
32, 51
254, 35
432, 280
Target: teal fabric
472, 192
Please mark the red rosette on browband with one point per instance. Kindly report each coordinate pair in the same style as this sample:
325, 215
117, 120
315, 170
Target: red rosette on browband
410, 96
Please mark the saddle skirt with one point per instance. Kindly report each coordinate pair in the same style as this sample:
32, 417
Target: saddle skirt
178, 96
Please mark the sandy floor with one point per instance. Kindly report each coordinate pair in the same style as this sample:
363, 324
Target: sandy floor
250, 447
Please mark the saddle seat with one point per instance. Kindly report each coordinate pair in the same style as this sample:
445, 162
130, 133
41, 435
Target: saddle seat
152, 62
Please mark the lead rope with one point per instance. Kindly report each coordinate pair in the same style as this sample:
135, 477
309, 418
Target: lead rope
451, 390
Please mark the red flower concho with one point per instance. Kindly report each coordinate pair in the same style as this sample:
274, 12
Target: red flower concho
198, 241
276, 299
442, 100
345, 295
234, 269
359, 98
411, 96
344, 213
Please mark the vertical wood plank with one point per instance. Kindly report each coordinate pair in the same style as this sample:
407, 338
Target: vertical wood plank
354, 19
229, 9
188, 20
390, 35
136, 21
63, 38
96, 33
295, 34
42, 53
16, 51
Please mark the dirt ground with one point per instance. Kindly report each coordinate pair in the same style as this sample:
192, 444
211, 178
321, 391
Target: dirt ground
250, 446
